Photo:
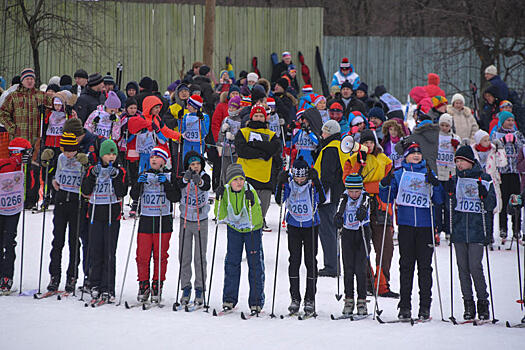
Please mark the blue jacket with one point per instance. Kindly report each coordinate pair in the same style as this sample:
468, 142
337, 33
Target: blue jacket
468, 227
406, 215
306, 154
503, 90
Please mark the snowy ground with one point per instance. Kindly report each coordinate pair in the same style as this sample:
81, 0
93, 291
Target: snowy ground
45, 324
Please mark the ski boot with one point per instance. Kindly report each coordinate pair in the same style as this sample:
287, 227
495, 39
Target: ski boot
255, 309
6, 284
226, 306
133, 210
95, 293
404, 313
309, 307
186, 294
424, 313
156, 291
71, 284
483, 309
390, 294
361, 307
265, 227
144, 291
294, 306
106, 297
199, 300
470, 310
53, 284
348, 309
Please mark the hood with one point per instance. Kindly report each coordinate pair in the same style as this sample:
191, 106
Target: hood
419, 167
193, 154
396, 123
379, 90
473, 173
314, 119
150, 102
427, 131
132, 85
433, 79
418, 93
265, 84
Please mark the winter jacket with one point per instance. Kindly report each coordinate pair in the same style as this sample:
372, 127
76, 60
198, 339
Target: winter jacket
97, 128
426, 135
235, 204
144, 122
194, 131
339, 78
329, 165
502, 88
465, 125
467, 227
221, 112
11, 164
204, 207
87, 102
490, 161
352, 104
512, 148
445, 159
408, 215
489, 112
285, 106
234, 125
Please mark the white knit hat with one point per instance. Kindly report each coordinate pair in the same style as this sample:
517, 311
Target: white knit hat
252, 77
457, 97
479, 135
446, 118
491, 70
331, 127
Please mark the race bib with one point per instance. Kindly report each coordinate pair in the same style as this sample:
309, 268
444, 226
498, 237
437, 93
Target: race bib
56, 124
103, 128
145, 142
304, 142
299, 204
413, 190
103, 192
69, 174
351, 222
392, 102
154, 201
445, 156
273, 124
396, 158
467, 195
192, 132
11, 192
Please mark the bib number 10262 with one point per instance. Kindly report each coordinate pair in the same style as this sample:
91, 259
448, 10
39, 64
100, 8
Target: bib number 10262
415, 199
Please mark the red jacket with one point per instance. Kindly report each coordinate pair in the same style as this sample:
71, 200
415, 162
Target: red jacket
221, 112
10, 164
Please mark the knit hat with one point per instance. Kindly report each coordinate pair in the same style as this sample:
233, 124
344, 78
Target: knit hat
74, 125
447, 119
412, 148
491, 70
299, 113
108, 79
192, 159
234, 102
161, 151
204, 69
108, 147
173, 86
246, 101
466, 153
195, 101
504, 115
345, 63
258, 109
286, 54
252, 77
353, 181
479, 135
132, 85
154, 86
300, 167
234, 171
131, 101
331, 127
318, 99
367, 135
270, 101
357, 120
95, 79
27, 73
66, 80
283, 83
69, 142
336, 106
181, 87
307, 89
504, 103
53, 87
243, 74
376, 112
438, 101
258, 93
112, 101
146, 83
458, 97
80, 73
363, 87
53, 80
18, 144
57, 101
292, 68
348, 85
379, 91
433, 79
233, 88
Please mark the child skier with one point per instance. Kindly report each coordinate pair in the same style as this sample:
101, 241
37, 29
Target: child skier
194, 126
104, 121
353, 218
107, 184
239, 207
302, 192
229, 128
194, 208
155, 190
70, 168
473, 192
411, 187
305, 141
10, 170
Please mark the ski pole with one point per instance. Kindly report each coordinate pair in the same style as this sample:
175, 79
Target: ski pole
516, 229
43, 232
200, 244
494, 320
23, 232
367, 252
450, 194
314, 251
435, 253
272, 315
159, 288
176, 304
252, 234
338, 296
110, 261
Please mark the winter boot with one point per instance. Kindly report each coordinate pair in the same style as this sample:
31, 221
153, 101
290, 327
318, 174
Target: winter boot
156, 291
226, 306
309, 307
424, 313
483, 309
470, 310
348, 309
133, 210
6, 284
106, 297
255, 309
199, 300
95, 292
294, 306
361, 307
71, 284
144, 291
404, 313
53, 284
186, 294
265, 227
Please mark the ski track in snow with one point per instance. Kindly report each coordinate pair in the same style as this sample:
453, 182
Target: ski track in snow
53, 324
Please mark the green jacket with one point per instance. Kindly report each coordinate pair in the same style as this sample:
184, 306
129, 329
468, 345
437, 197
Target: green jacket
237, 201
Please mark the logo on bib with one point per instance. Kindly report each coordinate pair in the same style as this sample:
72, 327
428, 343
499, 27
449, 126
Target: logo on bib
8, 184
416, 184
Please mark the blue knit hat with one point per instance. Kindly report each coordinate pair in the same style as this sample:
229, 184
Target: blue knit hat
504, 115
354, 182
376, 112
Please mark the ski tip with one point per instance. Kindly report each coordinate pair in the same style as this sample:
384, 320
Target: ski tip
35, 295
243, 316
494, 321
186, 308
144, 307
281, 317
379, 319
86, 304
214, 312
412, 322
332, 317
59, 297
507, 323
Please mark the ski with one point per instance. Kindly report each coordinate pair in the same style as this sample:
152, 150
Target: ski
151, 305
482, 322
223, 312
251, 314
193, 307
517, 325
134, 305
47, 294
306, 316
101, 302
403, 320
290, 315
350, 317
8, 292
91, 302
421, 320
465, 322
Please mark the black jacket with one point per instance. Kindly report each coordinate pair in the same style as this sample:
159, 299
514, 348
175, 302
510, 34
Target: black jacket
354, 104
278, 70
87, 102
331, 171
207, 93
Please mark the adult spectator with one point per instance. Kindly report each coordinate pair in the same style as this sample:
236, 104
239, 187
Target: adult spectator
111, 85
81, 80
285, 103
465, 124
194, 71
351, 103
145, 87
346, 73
204, 82
391, 105
90, 97
281, 67
491, 74
66, 83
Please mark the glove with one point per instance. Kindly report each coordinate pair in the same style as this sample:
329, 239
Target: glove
219, 191
509, 138
96, 170
448, 186
47, 155
282, 177
200, 115
282, 121
225, 127
143, 178
515, 200
482, 190
196, 178
96, 120
162, 178
431, 178
27, 154
387, 180
82, 158
180, 114
187, 175
354, 130
113, 172
113, 117
312, 174
250, 197
454, 143
155, 127
338, 221
230, 136
361, 213
362, 157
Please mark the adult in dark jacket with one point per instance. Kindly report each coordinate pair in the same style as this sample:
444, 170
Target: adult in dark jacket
426, 134
349, 101
207, 93
285, 103
490, 109
491, 74
391, 105
281, 67
90, 97
81, 79
362, 94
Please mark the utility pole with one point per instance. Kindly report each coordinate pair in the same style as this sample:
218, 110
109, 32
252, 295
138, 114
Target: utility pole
209, 33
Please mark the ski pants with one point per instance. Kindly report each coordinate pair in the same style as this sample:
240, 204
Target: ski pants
148, 244
186, 255
469, 257
388, 251
103, 247
355, 262
415, 245
264, 196
299, 237
442, 215
510, 184
8, 226
328, 236
252, 242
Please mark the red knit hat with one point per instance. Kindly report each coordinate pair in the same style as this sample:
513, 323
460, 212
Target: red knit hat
345, 63
162, 151
18, 144
258, 109
195, 101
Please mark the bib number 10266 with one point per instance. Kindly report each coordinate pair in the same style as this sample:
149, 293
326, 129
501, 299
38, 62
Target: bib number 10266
414, 199
9, 201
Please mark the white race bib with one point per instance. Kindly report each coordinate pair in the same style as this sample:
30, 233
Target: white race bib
413, 190
192, 132
299, 203
11, 192
56, 124
145, 142
445, 156
304, 142
154, 201
467, 195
